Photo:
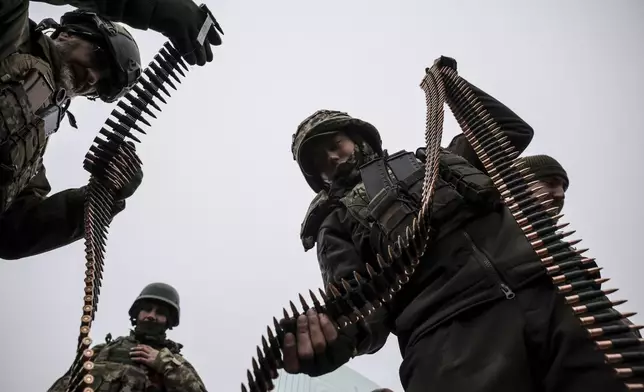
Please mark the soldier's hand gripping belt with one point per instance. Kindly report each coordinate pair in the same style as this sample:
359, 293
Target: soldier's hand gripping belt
337, 351
534, 215
181, 21
128, 189
116, 172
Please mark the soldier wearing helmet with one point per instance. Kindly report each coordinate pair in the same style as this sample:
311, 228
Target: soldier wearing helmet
145, 360
479, 313
87, 54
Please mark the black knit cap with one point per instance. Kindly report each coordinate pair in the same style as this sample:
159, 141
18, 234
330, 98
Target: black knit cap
546, 167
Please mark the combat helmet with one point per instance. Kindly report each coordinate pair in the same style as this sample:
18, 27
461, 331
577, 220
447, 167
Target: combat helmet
161, 292
118, 43
324, 122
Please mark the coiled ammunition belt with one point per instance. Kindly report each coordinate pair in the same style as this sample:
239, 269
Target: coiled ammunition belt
532, 212
112, 162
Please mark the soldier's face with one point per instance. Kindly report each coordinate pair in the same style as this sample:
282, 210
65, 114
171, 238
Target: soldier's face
83, 62
331, 151
153, 312
555, 188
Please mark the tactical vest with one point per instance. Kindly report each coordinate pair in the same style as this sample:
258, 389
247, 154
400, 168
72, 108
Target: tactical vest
114, 370
31, 109
390, 193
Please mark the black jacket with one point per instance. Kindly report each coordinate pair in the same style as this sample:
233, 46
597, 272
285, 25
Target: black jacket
481, 260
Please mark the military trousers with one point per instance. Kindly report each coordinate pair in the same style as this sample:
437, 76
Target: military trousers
531, 343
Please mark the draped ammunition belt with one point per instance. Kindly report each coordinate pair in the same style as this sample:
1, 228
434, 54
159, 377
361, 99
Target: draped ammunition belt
567, 266
112, 162
532, 211
387, 274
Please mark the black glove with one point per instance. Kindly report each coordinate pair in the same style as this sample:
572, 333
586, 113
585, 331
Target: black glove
128, 189
444, 61
180, 21
131, 186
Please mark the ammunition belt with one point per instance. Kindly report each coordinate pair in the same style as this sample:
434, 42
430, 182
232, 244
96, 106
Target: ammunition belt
347, 305
533, 213
112, 162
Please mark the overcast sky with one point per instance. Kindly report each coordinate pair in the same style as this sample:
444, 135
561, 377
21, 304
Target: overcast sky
219, 212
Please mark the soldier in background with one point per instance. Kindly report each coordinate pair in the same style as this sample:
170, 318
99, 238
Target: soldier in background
551, 177
145, 360
86, 55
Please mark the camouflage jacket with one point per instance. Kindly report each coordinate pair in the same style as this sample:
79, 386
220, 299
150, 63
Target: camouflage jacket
35, 222
114, 371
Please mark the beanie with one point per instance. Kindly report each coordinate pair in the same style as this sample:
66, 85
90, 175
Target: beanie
545, 167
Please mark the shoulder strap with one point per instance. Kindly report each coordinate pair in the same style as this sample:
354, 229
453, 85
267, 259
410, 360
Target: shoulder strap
401, 168
384, 178
406, 168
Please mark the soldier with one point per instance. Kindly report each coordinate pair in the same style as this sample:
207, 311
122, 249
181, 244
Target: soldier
479, 314
552, 178
550, 175
145, 360
86, 55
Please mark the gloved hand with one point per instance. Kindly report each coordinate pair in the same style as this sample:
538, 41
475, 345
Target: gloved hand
180, 21
129, 188
317, 347
444, 61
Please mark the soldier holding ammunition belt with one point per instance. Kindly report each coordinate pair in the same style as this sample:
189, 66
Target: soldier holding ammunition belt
86, 55
479, 314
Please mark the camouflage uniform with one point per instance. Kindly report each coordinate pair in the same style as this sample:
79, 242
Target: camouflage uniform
115, 371
31, 222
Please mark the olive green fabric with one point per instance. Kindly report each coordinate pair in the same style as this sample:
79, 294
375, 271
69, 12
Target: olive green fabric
115, 371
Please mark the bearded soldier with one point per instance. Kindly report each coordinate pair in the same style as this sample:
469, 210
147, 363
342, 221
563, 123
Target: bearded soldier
479, 314
86, 55
145, 360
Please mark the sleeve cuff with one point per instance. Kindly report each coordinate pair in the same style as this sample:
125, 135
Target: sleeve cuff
165, 361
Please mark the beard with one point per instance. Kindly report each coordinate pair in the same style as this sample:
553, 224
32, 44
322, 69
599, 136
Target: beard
71, 77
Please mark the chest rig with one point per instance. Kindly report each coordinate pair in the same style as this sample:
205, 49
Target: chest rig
31, 109
389, 196
114, 370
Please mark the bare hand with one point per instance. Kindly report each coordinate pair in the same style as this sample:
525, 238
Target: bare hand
144, 354
314, 333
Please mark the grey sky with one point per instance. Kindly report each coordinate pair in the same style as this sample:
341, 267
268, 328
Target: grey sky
219, 211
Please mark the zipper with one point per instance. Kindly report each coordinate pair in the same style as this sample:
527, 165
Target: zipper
487, 266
